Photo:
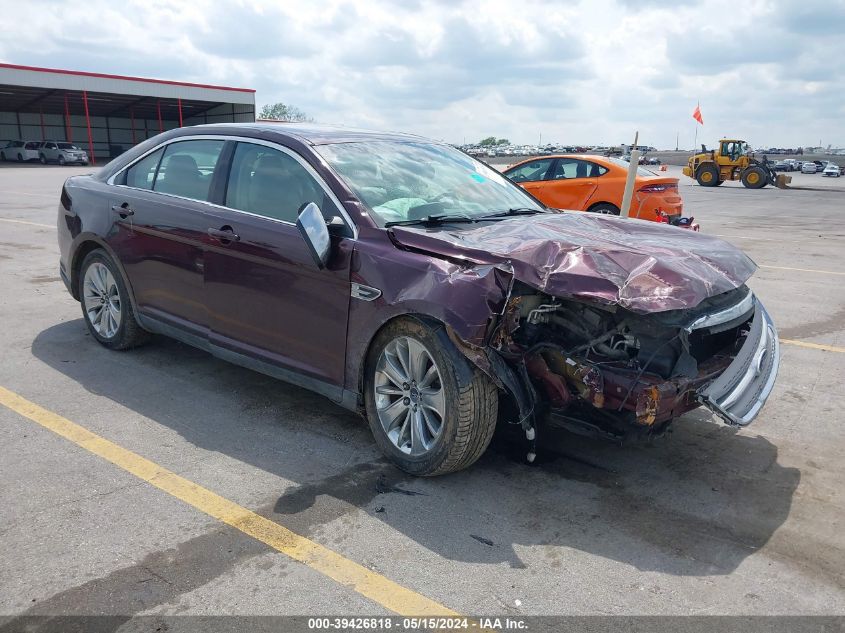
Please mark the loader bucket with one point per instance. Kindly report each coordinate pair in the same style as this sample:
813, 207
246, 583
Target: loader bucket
782, 181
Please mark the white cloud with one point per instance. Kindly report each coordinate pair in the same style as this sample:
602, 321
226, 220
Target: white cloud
576, 73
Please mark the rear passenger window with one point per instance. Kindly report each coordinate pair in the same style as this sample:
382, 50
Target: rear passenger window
567, 168
267, 182
187, 168
142, 174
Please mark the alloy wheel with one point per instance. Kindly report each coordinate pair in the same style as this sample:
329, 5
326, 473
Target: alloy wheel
101, 298
409, 396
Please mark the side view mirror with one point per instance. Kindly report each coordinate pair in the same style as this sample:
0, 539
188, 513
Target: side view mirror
312, 226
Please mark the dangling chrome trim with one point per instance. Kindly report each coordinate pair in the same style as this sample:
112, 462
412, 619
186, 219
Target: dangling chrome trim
364, 293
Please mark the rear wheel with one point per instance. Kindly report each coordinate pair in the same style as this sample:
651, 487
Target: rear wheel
605, 208
43, 159
707, 176
755, 177
430, 410
105, 303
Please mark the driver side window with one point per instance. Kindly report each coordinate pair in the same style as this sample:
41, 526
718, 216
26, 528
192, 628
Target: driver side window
270, 183
531, 171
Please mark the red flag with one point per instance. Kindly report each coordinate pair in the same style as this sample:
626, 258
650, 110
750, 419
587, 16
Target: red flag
697, 115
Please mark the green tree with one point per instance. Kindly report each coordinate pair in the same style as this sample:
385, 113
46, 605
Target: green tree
492, 140
282, 112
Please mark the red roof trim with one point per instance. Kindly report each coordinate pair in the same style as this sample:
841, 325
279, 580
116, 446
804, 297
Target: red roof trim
82, 73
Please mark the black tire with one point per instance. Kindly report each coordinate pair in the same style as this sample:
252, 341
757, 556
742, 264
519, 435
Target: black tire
3, 156
129, 333
471, 403
43, 159
20, 158
61, 160
605, 208
755, 177
707, 175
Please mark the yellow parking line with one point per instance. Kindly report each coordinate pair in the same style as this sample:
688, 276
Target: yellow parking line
368, 583
45, 226
826, 348
804, 270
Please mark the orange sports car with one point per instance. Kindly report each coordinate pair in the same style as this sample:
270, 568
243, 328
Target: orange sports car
595, 183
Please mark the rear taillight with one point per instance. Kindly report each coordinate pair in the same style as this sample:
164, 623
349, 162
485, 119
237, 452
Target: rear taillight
656, 188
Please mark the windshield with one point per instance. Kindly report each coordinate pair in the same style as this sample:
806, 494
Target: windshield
400, 181
641, 171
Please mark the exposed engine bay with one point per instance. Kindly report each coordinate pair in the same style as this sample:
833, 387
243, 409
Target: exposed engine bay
609, 372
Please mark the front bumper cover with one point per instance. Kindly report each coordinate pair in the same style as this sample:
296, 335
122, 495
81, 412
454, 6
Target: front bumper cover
740, 392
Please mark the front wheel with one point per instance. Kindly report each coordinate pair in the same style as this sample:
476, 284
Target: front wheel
61, 160
106, 307
430, 410
754, 177
43, 159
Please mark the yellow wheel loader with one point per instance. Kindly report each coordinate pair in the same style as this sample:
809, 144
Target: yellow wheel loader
733, 161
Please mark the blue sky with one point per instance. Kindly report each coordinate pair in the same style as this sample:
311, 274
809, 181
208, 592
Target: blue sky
772, 72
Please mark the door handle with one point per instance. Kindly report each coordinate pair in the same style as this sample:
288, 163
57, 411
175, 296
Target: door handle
123, 210
224, 234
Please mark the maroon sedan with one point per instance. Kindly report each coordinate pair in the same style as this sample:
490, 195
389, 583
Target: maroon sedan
403, 279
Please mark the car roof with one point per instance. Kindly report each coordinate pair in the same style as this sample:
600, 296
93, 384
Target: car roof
314, 133
593, 157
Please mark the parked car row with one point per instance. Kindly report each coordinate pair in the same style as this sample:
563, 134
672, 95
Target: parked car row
807, 166
59, 152
828, 168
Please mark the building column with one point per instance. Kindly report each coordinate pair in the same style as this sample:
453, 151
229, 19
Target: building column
68, 131
88, 125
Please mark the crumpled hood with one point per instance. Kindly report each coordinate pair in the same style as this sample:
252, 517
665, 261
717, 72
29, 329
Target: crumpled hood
639, 265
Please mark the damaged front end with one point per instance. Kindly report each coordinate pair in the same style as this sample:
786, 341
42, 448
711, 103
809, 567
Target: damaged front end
610, 372
612, 327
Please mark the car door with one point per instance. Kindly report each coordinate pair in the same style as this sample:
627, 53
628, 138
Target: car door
31, 150
267, 299
160, 223
571, 183
531, 176
49, 151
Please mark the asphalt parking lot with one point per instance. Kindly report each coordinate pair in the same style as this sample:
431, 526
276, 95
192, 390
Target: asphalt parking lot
708, 521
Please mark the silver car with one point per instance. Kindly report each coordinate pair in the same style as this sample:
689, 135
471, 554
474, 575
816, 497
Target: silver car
809, 167
20, 151
61, 153
832, 169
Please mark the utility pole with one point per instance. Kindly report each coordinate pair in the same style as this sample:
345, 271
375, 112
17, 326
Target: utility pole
628, 193
677, 138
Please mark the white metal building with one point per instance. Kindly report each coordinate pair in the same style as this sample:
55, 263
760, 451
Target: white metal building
108, 114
